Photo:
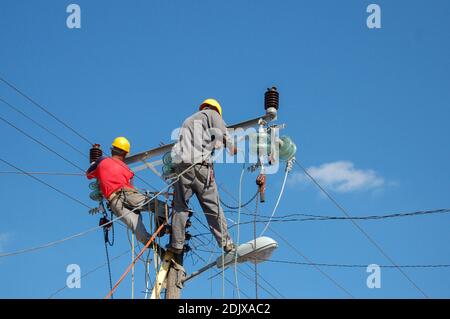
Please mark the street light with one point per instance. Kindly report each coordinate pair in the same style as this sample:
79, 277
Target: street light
256, 251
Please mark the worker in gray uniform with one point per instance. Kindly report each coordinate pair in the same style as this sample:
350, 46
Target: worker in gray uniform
199, 135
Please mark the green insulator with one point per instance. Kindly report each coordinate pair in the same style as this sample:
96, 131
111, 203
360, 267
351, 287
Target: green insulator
167, 158
287, 149
94, 186
259, 143
96, 196
167, 170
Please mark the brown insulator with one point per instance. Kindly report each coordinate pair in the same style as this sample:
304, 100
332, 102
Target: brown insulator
271, 98
95, 153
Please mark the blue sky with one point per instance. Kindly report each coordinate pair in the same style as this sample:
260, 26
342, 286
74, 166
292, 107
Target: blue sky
368, 110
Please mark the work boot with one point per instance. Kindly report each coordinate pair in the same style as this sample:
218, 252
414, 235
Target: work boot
229, 248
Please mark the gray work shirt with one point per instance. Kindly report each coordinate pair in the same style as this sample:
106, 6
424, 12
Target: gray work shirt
199, 135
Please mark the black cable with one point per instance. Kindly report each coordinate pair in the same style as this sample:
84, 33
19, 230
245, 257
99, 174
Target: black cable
284, 219
379, 248
40, 143
43, 127
357, 265
297, 251
106, 240
44, 109
43, 173
219, 272
242, 205
56, 153
254, 243
89, 272
46, 184
310, 217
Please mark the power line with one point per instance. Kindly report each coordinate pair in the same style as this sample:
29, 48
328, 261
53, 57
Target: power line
211, 251
241, 205
361, 229
42, 173
43, 127
286, 219
46, 184
312, 217
325, 274
53, 134
278, 200
26, 250
44, 109
218, 273
40, 143
89, 272
356, 265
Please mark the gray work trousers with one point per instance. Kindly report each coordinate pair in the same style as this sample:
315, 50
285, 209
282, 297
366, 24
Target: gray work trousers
196, 181
124, 203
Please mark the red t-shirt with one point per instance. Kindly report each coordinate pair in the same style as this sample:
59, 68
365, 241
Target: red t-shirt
112, 175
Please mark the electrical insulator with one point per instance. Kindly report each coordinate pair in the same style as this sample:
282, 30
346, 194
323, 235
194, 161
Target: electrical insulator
187, 236
167, 170
187, 248
188, 223
259, 144
167, 158
287, 149
271, 98
94, 186
96, 196
95, 153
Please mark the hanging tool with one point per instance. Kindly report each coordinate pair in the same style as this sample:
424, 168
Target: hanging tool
261, 182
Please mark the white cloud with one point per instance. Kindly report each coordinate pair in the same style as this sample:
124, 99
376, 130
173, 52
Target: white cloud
341, 176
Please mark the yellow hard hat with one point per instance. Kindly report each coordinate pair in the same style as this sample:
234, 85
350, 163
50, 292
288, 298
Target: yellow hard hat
213, 103
122, 144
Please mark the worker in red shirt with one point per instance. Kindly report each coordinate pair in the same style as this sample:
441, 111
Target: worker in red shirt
115, 181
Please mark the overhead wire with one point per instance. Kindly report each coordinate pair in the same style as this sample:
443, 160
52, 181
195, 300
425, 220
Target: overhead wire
241, 205
356, 265
56, 242
89, 273
325, 274
218, 273
211, 252
16, 109
378, 247
53, 134
44, 109
277, 202
42, 173
134, 262
41, 143
312, 217
46, 184
238, 231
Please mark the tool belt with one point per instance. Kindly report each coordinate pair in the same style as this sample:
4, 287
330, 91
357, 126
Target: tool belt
119, 191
